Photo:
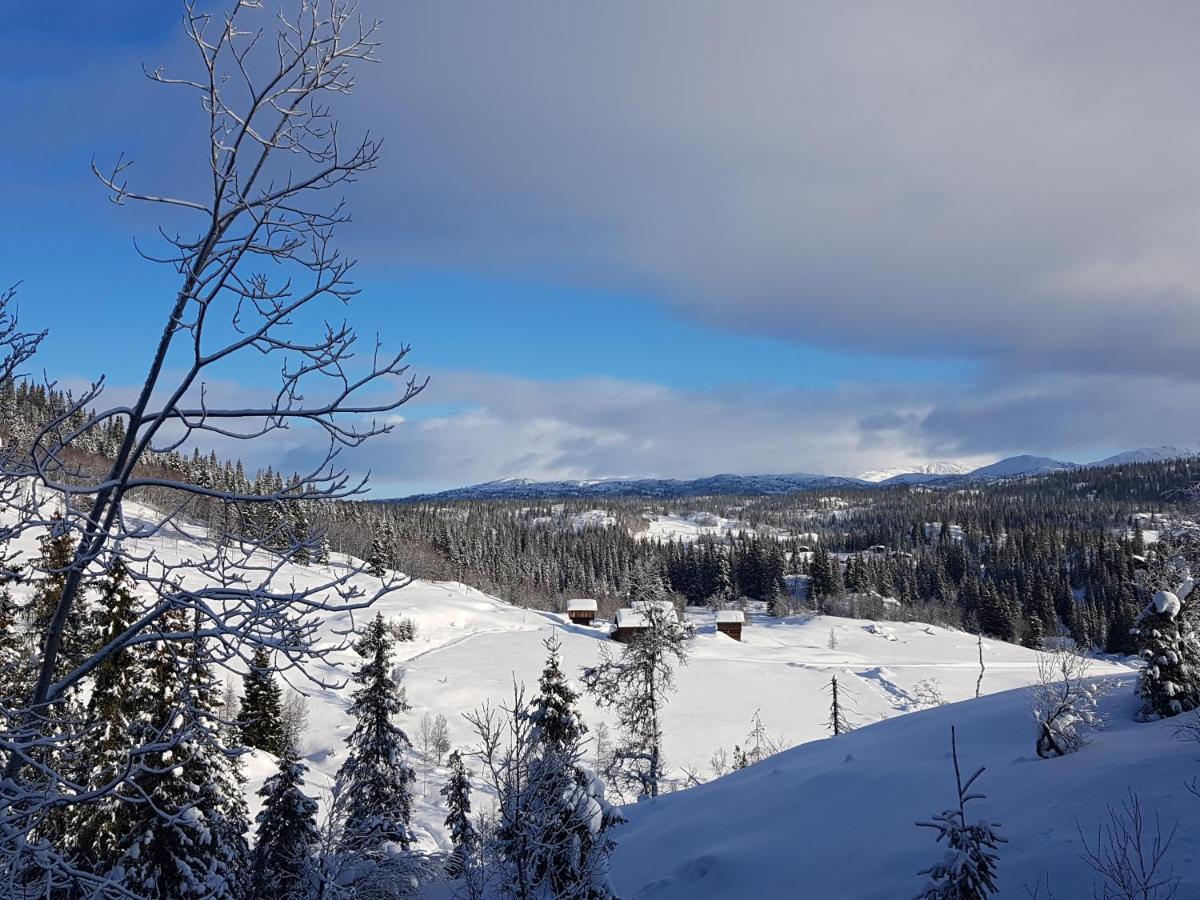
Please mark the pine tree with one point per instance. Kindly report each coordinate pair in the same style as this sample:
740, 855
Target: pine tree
97, 828
1170, 645
373, 785
57, 554
283, 865
458, 816
968, 868
189, 841
261, 706
570, 819
637, 686
377, 558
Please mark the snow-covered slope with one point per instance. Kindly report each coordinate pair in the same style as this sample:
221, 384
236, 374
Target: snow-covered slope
524, 488
470, 646
835, 818
1144, 455
917, 473
1016, 466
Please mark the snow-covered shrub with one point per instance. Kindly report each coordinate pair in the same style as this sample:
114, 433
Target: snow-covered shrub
1064, 703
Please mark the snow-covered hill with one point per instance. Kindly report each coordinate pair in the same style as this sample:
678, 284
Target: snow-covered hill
1144, 455
835, 818
941, 474
911, 473
822, 803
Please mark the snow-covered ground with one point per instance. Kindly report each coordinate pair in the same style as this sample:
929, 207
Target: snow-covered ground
692, 526
796, 824
835, 818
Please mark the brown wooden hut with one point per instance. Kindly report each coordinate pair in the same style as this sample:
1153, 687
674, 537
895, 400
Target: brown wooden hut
730, 622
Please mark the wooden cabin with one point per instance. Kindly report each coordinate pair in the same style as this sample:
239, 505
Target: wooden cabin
730, 622
581, 611
631, 621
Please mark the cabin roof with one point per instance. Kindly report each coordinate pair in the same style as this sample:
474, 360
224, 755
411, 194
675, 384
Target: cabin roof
730, 615
631, 618
581, 604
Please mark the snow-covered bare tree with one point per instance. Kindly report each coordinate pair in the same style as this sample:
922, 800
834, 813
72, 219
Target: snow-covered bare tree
968, 867
839, 718
636, 685
254, 253
1064, 703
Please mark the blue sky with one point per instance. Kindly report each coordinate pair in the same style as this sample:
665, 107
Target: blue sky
690, 238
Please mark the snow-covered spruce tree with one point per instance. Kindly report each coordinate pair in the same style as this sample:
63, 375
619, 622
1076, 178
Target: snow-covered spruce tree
261, 712
1169, 642
374, 783
572, 821
1064, 704
637, 685
457, 792
189, 840
283, 865
49, 573
968, 867
113, 716
377, 558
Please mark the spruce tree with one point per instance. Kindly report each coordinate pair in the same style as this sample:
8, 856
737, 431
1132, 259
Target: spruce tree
1170, 644
458, 816
968, 868
189, 840
261, 706
373, 785
283, 865
113, 716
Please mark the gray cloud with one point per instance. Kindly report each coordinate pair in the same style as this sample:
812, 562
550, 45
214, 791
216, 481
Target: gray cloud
595, 428
1015, 182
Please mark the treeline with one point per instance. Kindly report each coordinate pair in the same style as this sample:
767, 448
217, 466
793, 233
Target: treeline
1017, 561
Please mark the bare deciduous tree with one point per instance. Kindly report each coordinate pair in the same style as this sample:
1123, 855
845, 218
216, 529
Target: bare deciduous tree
1129, 857
1064, 705
256, 262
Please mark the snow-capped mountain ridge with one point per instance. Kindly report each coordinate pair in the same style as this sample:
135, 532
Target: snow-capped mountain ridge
877, 476
939, 474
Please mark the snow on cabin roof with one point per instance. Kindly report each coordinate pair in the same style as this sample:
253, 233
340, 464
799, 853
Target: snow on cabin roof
631, 618
731, 615
664, 605
581, 604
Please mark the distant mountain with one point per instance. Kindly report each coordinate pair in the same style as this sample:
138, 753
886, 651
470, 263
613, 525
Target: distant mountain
1018, 466
523, 488
1144, 455
934, 474
913, 474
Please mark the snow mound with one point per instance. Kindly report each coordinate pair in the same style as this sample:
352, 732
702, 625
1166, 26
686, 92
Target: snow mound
1167, 603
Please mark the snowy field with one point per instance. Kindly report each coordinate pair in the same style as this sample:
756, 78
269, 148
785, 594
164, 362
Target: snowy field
835, 818
810, 811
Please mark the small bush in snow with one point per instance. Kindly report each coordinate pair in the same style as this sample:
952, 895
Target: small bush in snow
1130, 859
1064, 703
